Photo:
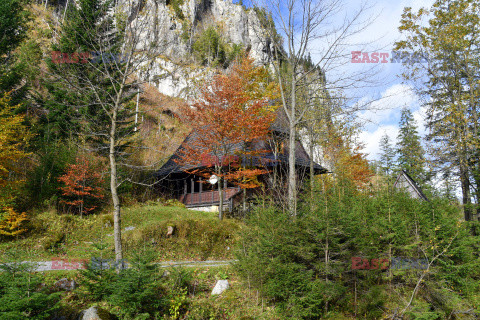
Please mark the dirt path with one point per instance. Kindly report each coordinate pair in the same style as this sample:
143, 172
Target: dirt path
66, 264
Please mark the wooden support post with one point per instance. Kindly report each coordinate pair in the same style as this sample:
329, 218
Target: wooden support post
200, 190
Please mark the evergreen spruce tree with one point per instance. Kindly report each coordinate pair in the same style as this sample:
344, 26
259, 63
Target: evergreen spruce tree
22, 295
387, 157
13, 20
409, 149
85, 56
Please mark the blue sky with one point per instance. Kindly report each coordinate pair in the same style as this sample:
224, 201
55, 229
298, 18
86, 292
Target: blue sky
388, 92
392, 92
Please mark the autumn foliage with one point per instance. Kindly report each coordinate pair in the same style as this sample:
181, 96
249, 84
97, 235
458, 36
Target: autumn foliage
231, 113
348, 162
13, 137
12, 223
82, 187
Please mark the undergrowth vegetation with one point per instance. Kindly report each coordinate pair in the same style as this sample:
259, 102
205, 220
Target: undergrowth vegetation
195, 235
325, 263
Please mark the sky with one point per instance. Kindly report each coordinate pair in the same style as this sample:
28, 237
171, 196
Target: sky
388, 93
392, 93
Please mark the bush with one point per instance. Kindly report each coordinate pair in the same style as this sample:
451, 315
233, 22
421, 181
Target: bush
22, 295
42, 181
82, 186
133, 293
176, 5
303, 265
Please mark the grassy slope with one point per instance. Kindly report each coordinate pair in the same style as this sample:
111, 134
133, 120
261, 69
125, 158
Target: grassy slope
197, 235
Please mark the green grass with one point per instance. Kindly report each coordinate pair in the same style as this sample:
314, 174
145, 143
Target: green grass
197, 236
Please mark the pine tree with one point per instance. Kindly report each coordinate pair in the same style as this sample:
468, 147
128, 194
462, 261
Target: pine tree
409, 148
82, 57
13, 19
98, 93
448, 34
387, 157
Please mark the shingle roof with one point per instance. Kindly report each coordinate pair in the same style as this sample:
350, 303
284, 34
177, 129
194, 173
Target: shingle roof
280, 125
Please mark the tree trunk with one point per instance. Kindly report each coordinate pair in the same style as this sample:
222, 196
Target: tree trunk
466, 199
117, 222
220, 198
476, 176
292, 181
244, 201
312, 173
292, 178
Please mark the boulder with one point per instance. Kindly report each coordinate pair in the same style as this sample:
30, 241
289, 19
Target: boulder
170, 230
95, 313
65, 284
220, 287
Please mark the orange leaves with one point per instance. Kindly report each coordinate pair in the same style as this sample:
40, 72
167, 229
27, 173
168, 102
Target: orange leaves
11, 223
82, 185
246, 178
353, 166
231, 112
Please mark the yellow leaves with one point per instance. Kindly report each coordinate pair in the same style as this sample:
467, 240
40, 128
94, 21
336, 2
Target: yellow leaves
11, 224
13, 136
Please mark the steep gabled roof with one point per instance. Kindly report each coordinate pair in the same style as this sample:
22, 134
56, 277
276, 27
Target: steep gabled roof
406, 182
278, 127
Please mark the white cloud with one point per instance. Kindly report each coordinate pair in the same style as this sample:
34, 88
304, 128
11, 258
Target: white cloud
388, 107
384, 116
419, 116
372, 140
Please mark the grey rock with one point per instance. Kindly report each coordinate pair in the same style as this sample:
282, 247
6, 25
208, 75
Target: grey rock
94, 313
220, 287
65, 284
172, 72
170, 230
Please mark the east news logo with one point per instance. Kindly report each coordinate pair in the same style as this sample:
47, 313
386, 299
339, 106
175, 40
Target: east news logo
386, 57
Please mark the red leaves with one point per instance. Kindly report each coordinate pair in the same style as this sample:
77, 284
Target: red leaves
228, 116
82, 183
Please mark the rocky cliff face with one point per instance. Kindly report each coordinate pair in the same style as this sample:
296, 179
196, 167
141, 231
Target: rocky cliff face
176, 24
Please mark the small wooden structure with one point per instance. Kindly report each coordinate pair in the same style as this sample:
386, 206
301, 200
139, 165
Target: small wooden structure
405, 182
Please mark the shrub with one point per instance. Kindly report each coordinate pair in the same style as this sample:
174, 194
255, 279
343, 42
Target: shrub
22, 295
42, 181
133, 293
303, 265
12, 223
176, 5
82, 186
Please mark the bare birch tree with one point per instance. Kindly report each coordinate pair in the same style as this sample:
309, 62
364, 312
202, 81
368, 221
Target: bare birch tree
308, 27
